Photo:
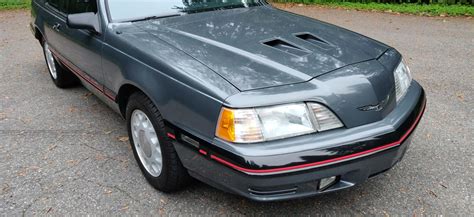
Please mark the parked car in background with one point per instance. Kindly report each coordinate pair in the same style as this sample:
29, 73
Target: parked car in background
248, 98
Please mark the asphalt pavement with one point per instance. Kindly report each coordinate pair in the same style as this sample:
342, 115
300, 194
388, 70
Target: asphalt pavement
65, 152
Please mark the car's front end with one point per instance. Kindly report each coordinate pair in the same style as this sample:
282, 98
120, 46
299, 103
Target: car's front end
307, 141
259, 102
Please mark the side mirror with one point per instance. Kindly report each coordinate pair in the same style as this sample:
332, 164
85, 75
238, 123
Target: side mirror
89, 21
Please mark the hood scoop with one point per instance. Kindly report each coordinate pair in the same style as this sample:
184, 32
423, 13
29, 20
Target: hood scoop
287, 47
313, 40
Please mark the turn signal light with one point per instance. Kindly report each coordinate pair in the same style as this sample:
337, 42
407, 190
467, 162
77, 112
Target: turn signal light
225, 127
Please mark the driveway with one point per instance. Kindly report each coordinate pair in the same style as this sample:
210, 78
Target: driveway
65, 152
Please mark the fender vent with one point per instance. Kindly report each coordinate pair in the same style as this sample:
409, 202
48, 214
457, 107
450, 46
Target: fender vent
286, 47
313, 40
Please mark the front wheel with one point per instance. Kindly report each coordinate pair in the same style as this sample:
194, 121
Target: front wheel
152, 149
62, 77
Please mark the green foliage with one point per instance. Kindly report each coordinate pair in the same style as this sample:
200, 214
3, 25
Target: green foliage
419, 9
442, 2
14, 4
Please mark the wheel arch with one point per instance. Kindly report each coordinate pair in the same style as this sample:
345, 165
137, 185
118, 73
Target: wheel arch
36, 23
38, 34
123, 95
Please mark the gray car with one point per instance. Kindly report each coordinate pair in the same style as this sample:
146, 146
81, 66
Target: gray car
248, 98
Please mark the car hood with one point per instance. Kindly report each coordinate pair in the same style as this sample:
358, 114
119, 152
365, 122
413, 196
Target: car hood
262, 47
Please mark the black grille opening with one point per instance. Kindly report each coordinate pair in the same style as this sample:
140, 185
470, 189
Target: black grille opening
272, 192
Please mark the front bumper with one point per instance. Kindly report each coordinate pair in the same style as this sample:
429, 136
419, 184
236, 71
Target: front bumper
293, 169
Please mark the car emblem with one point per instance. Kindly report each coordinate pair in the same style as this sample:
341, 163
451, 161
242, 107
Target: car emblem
378, 107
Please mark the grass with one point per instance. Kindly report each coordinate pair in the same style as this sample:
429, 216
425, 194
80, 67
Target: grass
14, 4
418, 9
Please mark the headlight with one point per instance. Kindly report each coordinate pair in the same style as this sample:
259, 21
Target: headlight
402, 80
275, 122
285, 121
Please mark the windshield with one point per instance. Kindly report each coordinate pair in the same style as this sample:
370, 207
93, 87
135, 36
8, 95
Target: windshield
127, 10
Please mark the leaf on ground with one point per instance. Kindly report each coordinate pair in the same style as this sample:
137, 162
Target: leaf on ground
72, 162
51, 147
108, 191
86, 95
6, 188
25, 120
3, 116
100, 157
123, 138
460, 96
21, 173
124, 208
432, 193
161, 211
72, 109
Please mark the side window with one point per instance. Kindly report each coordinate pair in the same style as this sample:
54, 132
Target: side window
81, 6
54, 3
60, 5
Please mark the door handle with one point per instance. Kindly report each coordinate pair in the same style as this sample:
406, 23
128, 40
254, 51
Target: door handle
56, 26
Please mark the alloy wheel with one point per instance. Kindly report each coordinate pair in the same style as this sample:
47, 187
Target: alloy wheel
50, 61
146, 143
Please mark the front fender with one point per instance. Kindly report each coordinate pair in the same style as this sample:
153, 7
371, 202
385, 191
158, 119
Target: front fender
187, 94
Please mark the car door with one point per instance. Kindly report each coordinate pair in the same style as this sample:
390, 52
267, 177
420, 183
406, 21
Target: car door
81, 48
55, 19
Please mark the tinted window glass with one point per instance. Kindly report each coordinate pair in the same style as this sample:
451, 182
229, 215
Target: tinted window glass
54, 3
81, 6
58, 4
127, 10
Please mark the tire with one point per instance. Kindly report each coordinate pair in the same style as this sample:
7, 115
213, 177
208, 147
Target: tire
62, 77
172, 176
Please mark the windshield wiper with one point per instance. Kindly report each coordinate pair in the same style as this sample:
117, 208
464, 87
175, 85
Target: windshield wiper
156, 17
